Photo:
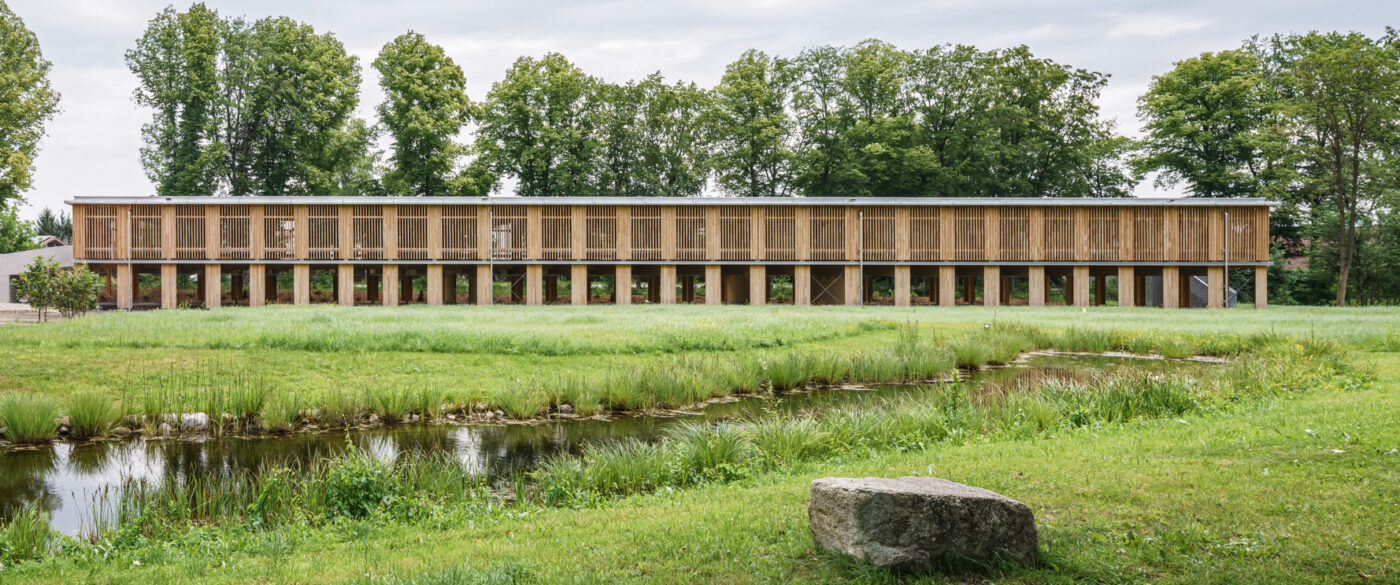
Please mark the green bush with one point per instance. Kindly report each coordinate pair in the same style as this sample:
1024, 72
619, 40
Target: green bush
26, 536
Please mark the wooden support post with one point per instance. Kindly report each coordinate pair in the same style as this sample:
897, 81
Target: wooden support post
1171, 287
167, 231
301, 235
434, 292
534, 240
852, 281
969, 290
391, 232
712, 251
345, 285
901, 236
449, 286
714, 289
578, 234
534, 284
947, 285
1038, 293
301, 284
1081, 286
346, 224
1037, 237
257, 285
668, 283
435, 232
372, 286
213, 287
853, 243
390, 295
668, 236
1100, 290
211, 232
991, 221
125, 283
624, 232
758, 284
1261, 287
802, 285
1171, 238
1081, 235
578, 284
901, 284
1215, 287
991, 285
256, 230
803, 236
622, 284
169, 294
405, 286
1004, 287
485, 287
947, 241
1127, 287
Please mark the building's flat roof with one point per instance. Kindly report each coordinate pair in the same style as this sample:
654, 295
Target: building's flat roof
907, 201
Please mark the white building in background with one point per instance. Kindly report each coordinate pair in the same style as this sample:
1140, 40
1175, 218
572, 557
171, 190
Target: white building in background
11, 265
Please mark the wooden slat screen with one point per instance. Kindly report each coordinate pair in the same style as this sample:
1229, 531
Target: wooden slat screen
1059, 234
780, 233
600, 237
646, 232
1103, 234
1014, 233
690, 233
279, 232
190, 232
924, 233
556, 236
1243, 240
735, 231
323, 232
145, 232
969, 233
1149, 229
367, 232
1193, 234
235, 232
828, 235
459, 231
100, 232
877, 233
509, 232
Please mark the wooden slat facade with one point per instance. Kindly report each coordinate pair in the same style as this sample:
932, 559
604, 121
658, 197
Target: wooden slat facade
826, 238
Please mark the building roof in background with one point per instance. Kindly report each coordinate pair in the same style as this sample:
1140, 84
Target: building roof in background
908, 201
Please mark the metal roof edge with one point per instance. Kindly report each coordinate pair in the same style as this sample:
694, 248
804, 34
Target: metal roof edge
907, 201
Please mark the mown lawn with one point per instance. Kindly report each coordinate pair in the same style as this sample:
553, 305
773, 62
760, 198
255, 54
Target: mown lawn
1294, 489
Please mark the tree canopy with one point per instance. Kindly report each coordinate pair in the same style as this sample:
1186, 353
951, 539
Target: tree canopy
28, 103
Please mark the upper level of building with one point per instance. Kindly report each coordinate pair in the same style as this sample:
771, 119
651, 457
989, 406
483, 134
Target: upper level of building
837, 230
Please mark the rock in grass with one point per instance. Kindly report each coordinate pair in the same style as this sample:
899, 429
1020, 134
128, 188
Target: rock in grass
919, 523
195, 422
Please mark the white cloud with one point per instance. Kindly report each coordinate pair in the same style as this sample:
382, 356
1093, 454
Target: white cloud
1156, 26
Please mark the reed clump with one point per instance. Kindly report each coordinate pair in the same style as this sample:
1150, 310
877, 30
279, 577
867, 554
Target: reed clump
29, 418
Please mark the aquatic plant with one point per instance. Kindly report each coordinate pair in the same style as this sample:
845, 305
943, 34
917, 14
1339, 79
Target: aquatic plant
26, 536
92, 414
29, 418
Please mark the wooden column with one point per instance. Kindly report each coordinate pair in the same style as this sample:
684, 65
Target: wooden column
485, 288
167, 231
534, 240
125, 282
991, 285
301, 284
624, 233
852, 281
1215, 287
969, 289
947, 286
1037, 237
802, 285
758, 284
758, 232
434, 292
169, 294
1100, 290
255, 228
712, 249
622, 284
578, 284
435, 232
301, 235
1081, 235
1125, 240
390, 295
1261, 287
1081, 286
946, 232
714, 288
346, 226
578, 233
901, 283
668, 232
991, 221
534, 284
257, 285
1171, 287
1127, 287
901, 235
668, 281
802, 231
391, 232
853, 231
213, 286
211, 232
449, 287
345, 285
1215, 240
1036, 281
1171, 237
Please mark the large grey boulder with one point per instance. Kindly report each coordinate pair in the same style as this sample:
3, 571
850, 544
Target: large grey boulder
919, 523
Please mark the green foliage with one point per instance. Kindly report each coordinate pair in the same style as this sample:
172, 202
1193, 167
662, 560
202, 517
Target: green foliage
244, 108
16, 235
751, 128
91, 414
29, 101
357, 485
44, 285
28, 418
426, 106
48, 224
536, 127
26, 536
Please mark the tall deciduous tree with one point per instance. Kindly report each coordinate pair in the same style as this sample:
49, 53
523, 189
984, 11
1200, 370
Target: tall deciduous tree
242, 108
27, 102
1342, 108
425, 108
538, 127
1203, 122
751, 127
651, 139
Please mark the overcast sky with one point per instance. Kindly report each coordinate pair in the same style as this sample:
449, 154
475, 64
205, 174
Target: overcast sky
92, 147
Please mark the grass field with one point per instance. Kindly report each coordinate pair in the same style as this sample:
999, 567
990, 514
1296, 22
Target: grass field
1265, 487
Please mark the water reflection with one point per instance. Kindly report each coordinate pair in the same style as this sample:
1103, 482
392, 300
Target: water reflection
64, 478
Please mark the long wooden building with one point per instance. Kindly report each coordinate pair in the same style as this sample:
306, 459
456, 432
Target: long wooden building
213, 251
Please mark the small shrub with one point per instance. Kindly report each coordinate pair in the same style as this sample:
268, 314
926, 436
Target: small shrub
357, 484
29, 418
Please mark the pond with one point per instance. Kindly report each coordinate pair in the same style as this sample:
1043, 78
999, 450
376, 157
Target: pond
66, 479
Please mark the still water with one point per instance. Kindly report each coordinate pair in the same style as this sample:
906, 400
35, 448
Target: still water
63, 478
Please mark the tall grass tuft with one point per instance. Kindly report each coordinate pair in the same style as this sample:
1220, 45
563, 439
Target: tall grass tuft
29, 418
91, 414
781, 442
390, 404
706, 452
281, 413
789, 372
26, 536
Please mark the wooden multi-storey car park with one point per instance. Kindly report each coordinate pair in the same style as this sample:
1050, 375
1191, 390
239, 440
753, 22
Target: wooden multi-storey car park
711, 250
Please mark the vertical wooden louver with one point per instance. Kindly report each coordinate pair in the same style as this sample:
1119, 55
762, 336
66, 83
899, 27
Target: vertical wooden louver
279, 232
190, 232
146, 232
